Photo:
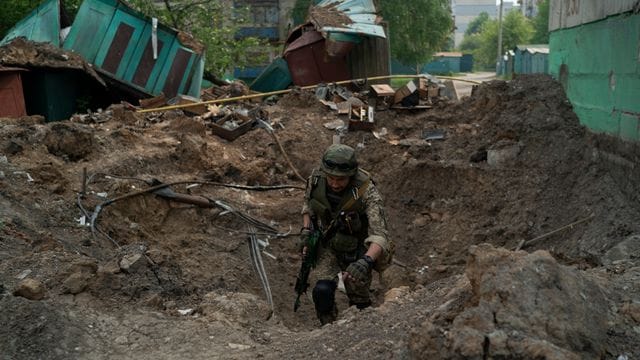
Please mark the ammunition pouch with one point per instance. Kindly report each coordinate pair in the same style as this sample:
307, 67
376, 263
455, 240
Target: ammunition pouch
344, 243
319, 209
349, 223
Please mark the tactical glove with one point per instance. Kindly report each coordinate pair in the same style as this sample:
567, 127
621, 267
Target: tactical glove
360, 271
305, 235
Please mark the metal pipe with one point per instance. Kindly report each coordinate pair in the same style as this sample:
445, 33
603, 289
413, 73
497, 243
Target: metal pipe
279, 92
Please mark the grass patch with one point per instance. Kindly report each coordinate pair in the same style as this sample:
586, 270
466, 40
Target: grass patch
400, 82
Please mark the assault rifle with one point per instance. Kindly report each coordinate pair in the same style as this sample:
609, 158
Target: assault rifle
308, 262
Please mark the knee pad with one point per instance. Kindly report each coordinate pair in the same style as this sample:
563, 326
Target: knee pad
324, 295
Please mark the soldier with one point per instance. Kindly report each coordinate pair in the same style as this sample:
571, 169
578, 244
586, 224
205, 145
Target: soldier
342, 201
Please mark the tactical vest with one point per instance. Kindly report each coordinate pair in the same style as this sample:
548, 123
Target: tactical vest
352, 226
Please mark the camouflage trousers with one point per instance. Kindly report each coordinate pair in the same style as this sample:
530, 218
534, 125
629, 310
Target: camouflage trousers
329, 265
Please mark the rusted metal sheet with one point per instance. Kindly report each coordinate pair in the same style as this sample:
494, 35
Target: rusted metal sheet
308, 63
118, 46
177, 73
11, 93
143, 72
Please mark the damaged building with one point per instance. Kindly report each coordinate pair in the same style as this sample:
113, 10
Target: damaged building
133, 54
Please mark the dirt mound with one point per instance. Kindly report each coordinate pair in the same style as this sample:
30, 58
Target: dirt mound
521, 306
146, 276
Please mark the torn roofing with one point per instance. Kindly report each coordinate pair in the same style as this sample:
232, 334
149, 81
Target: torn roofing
347, 16
28, 54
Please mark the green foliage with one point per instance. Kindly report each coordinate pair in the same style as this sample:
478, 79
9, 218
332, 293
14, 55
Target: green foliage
300, 11
476, 24
541, 24
215, 25
470, 43
516, 29
417, 28
71, 6
15, 10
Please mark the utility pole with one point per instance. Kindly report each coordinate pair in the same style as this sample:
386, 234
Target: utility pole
499, 57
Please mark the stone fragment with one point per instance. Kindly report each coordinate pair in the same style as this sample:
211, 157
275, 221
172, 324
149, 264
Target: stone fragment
30, 289
76, 283
132, 263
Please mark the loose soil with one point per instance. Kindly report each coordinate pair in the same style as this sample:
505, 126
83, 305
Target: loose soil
162, 279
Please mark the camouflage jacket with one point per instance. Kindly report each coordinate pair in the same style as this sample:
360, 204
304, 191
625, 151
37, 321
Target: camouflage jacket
372, 226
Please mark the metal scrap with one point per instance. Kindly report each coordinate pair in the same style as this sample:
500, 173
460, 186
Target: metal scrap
258, 266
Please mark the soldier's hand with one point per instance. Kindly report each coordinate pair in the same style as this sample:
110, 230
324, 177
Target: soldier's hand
303, 242
359, 271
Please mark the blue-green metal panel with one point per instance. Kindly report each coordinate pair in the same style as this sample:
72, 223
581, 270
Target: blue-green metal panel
164, 72
51, 94
345, 37
42, 25
598, 64
362, 14
539, 63
351, 6
93, 34
466, 63
275, 77
196, 80
120, 17
517, 62
89, 28
167, 41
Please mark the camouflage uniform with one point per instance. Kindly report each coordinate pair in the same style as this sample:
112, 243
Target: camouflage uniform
358, 225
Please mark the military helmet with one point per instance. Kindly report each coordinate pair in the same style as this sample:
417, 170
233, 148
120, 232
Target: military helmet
339, 160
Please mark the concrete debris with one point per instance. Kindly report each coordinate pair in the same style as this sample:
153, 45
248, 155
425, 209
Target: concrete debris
133, 262
30, 289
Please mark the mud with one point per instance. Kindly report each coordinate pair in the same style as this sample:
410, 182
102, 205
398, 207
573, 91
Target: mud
160, 279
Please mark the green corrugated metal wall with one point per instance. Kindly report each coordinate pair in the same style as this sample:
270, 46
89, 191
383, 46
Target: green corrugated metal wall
42, 25
102, 19
599, 65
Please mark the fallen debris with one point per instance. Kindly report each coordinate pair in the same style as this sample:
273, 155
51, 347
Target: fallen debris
30, 289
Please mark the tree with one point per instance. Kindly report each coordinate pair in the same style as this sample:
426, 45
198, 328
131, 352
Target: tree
300, 11
470, 43
541, 24
516, 29
213, 23
476, 24
471, 40
417, 28
15, 10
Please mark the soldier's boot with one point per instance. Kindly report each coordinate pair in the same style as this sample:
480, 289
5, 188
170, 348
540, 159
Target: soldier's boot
327, 318
360, 305
324, 301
